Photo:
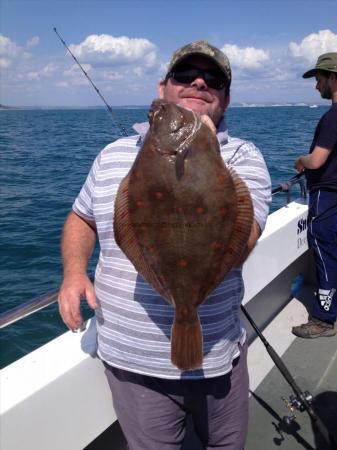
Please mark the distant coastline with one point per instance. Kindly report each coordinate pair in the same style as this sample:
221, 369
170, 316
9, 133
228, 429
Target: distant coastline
73, 107
233, 105
6, 108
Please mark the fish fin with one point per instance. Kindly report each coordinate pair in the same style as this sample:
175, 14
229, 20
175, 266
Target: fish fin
209, 122
243, 223
124, 234
126, 239
186, 344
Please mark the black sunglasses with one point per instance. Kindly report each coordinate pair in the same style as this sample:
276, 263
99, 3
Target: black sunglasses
213, 79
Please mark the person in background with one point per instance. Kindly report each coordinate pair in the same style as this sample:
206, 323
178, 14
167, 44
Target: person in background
151, 396
320, 169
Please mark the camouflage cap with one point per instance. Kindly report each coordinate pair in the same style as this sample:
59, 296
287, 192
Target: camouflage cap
202, 48
327, 61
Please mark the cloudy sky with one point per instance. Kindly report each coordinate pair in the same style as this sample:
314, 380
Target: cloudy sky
125, 46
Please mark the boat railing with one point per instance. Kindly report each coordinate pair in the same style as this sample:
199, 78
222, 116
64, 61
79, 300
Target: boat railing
27, 308
31, 306
286, 187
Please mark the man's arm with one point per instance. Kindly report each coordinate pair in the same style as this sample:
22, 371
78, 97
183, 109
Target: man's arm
78, 243
314, 160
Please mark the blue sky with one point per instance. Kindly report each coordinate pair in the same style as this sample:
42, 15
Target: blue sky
126, 45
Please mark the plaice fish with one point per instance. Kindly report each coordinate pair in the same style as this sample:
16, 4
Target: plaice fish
183, 219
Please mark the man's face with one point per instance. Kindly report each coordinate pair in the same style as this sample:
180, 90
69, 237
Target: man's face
196, 95
323, 86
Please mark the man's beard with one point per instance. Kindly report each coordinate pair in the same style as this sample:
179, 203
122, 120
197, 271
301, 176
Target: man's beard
326, 92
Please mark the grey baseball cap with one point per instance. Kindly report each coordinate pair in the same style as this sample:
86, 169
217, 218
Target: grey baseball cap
327, 61
202, 48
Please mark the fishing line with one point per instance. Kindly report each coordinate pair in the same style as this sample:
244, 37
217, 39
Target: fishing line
114, 116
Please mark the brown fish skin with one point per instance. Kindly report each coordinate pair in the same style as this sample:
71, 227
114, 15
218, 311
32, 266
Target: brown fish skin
183, 219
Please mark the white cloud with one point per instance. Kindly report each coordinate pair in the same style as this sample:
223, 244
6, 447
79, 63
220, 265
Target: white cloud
246, 58
74, 76
110, 75
163, 68
49, 70
314, 45
139, 71
75, 71
4, 63
33, 41
108, 50
37, 74
62, 84
11, 53
8, 48
33, 76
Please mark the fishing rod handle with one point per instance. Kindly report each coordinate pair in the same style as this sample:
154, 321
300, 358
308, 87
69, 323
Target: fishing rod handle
285, 372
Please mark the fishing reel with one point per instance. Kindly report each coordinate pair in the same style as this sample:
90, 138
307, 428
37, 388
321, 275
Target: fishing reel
296, 403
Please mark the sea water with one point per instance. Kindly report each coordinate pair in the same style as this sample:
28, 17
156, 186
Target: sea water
45, 157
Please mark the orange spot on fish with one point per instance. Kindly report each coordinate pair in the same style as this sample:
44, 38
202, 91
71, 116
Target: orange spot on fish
200, 210
140, 204
221, 178
143, 227
159, 195
184, 312
182, 263
216, 245
137, 173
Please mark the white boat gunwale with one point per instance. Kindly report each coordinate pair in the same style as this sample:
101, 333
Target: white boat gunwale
67, 378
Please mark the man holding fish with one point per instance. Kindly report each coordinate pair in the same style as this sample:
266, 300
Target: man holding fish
177, 208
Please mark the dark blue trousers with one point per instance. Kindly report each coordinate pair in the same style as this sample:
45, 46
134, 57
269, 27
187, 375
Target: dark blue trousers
322, 238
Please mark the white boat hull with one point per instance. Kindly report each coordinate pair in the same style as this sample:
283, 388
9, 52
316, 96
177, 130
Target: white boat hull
57, 397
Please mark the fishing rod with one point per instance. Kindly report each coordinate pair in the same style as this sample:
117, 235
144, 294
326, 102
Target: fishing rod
303, 400
284, 187
114, 118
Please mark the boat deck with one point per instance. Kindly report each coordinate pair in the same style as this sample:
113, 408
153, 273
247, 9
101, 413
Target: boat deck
312, 363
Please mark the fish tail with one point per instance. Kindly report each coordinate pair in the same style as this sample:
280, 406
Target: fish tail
186, 343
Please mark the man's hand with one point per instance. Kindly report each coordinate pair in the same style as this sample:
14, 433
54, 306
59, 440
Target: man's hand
78, 242
313, 160
74, 288
299, 165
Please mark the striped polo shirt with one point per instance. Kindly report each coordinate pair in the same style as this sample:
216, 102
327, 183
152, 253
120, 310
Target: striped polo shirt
133, 321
